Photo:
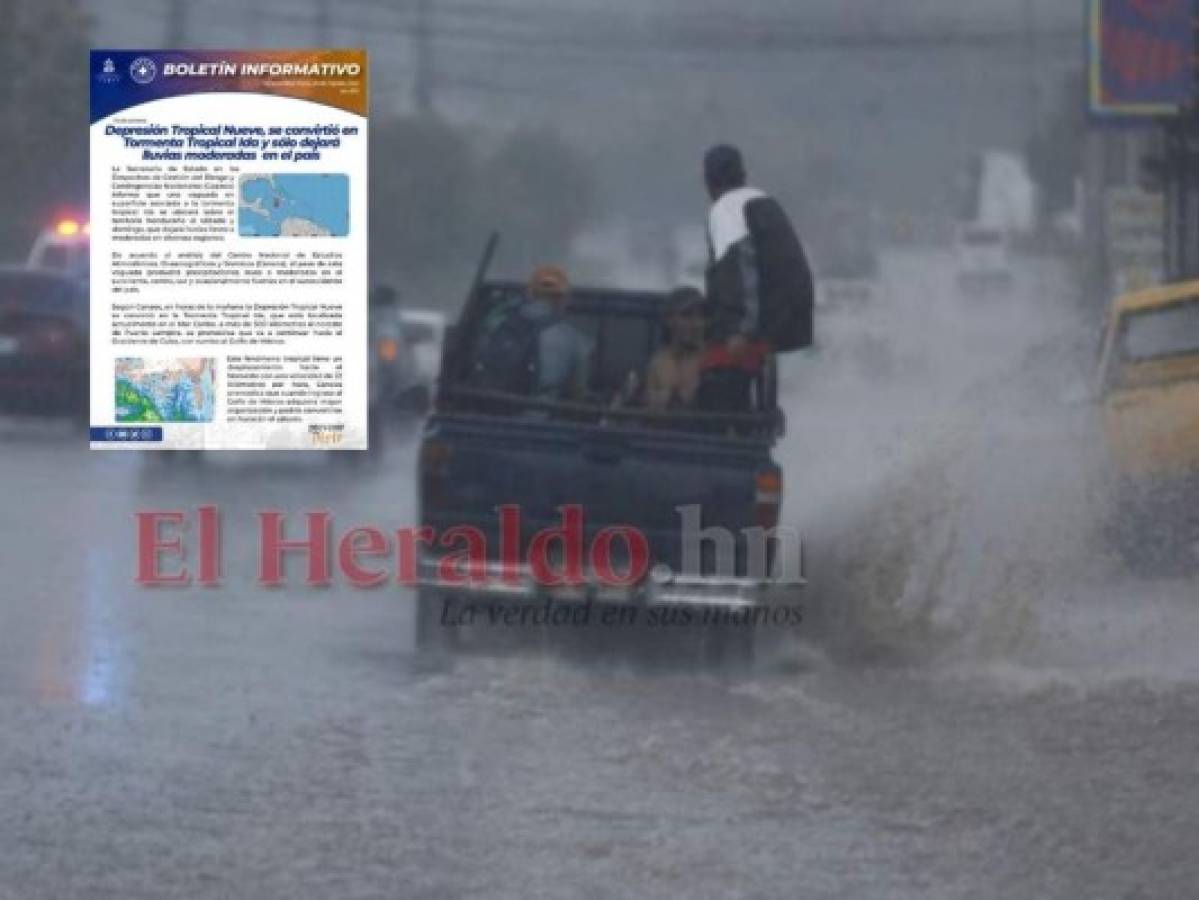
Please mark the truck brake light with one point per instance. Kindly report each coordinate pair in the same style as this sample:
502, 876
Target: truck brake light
768, 497
434, 458
434, 461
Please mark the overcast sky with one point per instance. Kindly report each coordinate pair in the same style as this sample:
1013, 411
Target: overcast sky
643, 86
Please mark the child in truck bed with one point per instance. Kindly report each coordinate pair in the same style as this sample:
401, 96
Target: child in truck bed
673, 376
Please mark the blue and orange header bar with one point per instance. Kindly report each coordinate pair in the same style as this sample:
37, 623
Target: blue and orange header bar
125, 78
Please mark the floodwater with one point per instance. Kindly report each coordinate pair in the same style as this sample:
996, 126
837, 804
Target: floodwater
987, 705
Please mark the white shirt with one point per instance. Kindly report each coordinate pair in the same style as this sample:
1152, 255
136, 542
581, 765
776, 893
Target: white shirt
726, 219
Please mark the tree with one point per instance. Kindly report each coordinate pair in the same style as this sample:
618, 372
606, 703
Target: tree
43, 115
539, 193
1055, 151
435, 197
422, 188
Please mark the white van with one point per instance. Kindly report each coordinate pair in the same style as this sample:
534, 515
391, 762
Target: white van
983, 259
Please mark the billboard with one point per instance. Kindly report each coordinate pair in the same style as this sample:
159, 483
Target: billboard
1140, 57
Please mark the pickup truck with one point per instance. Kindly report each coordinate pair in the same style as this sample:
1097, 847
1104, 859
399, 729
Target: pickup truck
621, 466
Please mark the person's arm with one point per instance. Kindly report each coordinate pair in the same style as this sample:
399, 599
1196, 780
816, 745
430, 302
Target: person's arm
555, 363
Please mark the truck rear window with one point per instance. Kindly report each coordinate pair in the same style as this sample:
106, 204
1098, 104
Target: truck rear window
624, 329
623, 338
1171, 331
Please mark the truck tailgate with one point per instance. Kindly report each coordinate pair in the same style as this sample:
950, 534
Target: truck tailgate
637, 477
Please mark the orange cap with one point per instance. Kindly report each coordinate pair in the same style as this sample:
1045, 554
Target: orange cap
549, 281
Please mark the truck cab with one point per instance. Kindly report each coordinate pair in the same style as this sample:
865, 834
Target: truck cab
501, 472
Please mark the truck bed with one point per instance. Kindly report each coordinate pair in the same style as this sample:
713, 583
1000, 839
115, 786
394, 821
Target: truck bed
635, 469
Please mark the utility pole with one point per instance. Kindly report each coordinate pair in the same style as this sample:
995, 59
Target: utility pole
1176, 170
422, 86
176, 31
1182, 198
1033, 102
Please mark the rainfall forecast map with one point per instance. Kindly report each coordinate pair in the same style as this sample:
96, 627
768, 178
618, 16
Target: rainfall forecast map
165, 390
293, 206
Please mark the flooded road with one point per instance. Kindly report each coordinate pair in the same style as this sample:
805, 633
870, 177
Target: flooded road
1000, 711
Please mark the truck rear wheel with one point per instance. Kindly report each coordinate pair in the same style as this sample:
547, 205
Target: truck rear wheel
432, 635
730, 645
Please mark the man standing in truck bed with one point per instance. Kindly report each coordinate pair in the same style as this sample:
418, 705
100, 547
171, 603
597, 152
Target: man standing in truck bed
759, 283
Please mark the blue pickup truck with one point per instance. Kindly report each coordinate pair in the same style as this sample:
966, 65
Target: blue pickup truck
631, 486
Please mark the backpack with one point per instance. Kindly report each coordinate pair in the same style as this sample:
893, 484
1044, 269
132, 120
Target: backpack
507, 354
785, 291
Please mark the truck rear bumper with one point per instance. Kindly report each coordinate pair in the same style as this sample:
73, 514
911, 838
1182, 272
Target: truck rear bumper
500, 583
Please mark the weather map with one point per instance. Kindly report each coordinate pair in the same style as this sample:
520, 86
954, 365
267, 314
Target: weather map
273, 205
165, 390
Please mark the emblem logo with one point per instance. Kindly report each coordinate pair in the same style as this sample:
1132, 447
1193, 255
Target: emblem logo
108, 72
143, 70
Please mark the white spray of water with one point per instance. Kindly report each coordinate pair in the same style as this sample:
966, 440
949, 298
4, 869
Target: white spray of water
951, 488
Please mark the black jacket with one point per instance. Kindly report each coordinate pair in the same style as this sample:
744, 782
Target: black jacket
759, 282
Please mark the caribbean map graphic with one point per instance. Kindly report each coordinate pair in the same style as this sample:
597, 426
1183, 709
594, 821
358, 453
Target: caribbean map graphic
165, 390
293, 206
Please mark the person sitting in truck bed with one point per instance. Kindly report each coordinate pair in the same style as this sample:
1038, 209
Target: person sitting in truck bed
672, 379
527, 347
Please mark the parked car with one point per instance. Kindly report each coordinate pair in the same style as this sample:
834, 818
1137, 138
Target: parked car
393, 373
1149, 390
63, 247
424, 330
43, 343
